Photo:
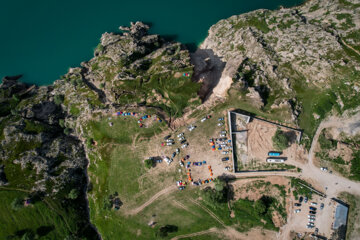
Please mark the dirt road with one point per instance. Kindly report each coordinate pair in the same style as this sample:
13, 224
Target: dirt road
152, 199
211, 230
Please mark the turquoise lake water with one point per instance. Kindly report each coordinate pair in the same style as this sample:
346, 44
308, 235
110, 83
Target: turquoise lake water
41, 39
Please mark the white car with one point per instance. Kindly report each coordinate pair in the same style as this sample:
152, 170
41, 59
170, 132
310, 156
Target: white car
168, 160
325, 169
169, 143
203, 119
180, 135
227, 168
184, 145
225, 152
220, 124
191, 128
297, 210
222, 135
181, 138
223, 132
314, 203
177, 150
170, 140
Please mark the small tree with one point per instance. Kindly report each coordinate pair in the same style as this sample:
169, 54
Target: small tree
102, 85
260, 207
73, 194
280, 140
89, 142
148, 163
17, 203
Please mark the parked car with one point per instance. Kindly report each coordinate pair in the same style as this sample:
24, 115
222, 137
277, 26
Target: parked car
227, 168
184, 145
225, 159
191, 128
297, 210
180, 135
311, 215
158, 161
223, 132
183, 141
181, 188
169, 143
167, 137
220, 119
312, 208
203, 119
170, 140
312, 212
321, 206
220, 124
313, 203
181, 163
309, 226
225, 152
181, 138
325, 169
316, 230
177, 150
187, 157
222, 139
301, 199
173, 155
297, 204
305, 199
222, 135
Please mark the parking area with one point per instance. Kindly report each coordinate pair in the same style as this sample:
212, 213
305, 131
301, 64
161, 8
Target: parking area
317, 220
201, 150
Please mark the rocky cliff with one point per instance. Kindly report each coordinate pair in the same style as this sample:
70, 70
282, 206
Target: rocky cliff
271, 58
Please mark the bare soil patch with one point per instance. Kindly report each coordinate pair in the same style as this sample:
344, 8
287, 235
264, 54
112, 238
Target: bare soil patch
260, 142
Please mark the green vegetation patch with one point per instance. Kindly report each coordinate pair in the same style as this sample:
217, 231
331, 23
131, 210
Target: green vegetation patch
33, 127
299, 189
37, 218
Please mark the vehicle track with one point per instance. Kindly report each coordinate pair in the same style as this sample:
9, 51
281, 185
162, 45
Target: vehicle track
152, 199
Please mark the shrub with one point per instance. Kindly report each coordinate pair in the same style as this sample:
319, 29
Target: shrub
102, 85
73, 194
58, 99
28, 235
67, 131
17, 204
163, 231
16, 98
62, 123
280, 140
148, 163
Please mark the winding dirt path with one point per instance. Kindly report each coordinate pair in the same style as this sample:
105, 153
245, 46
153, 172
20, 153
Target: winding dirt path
209, 212
152, 199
